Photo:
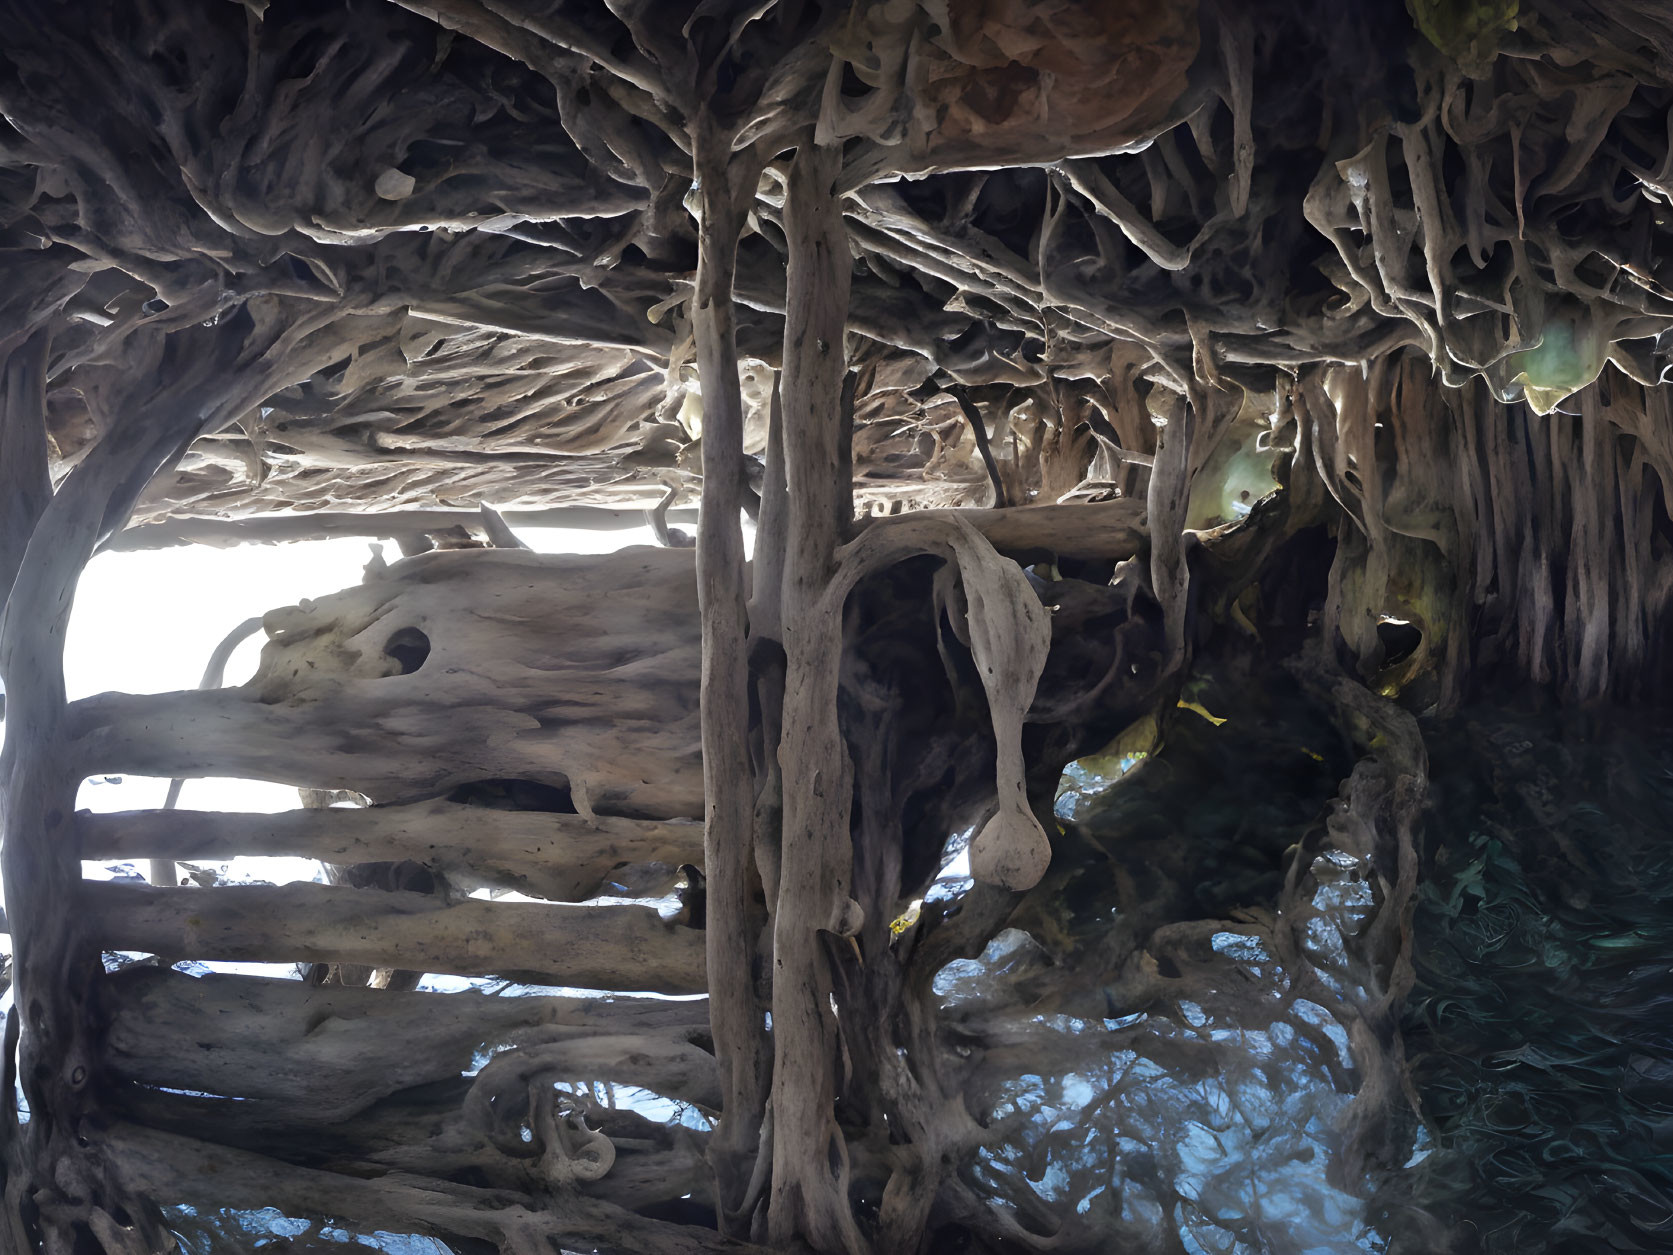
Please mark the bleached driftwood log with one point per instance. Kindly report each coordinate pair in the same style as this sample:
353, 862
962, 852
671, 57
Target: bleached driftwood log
448, 668
562, 857
316, 1054
588, 947
452, 667
726, 184
390, 524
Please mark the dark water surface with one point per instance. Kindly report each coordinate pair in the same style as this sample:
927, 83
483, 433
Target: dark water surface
1540, 1031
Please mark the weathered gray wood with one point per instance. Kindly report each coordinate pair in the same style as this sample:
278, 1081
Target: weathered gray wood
563, 669
319, 1054
978, 428
162, 870
726, 184
607, 706
55, 960
163, 1165
587, 947
664, 1065
274, 528
1009, 634
809, 1197
1094, 529
1097, 529
25, 487
32, 787
562, 857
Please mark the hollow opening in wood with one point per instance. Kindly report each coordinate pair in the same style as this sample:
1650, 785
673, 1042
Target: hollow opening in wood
1400, 639
409, 647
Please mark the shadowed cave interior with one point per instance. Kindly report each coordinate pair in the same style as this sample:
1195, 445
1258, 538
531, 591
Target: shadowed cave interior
1101, 684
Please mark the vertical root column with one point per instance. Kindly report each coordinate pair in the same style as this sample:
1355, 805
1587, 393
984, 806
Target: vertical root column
810, 1170
726, 186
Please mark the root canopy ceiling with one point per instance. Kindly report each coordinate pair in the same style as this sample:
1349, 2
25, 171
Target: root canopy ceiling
1220, 394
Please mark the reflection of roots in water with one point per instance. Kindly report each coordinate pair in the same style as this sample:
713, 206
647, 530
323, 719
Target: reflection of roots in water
1218, 1120
1162, 1080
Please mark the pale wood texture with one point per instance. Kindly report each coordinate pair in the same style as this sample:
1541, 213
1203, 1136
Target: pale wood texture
626, 948
270, 265
810, 1171
277, 528
569, 671
726, 185
312, 1054
158, 1164
561, 857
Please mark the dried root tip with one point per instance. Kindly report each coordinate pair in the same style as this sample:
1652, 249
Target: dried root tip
1011, 851
848, 918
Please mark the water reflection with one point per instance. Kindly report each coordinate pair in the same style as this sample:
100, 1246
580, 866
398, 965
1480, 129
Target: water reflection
1168, 1064
1173, 1022
216, 1232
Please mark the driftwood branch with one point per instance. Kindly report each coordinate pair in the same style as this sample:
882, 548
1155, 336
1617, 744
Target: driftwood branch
979, 431
25, 487
589, 947
726, 184
276, 273
162, 871
165, 1165
810, 1177
277, 528
307, 1054
561, 857
434, 675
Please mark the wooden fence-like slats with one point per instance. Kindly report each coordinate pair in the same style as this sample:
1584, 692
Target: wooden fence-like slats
626, 948
563, 857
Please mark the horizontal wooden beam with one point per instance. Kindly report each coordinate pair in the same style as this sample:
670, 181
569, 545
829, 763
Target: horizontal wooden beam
586, 947
300, 1053
152, 1164
275, 528
562, 857
1092, 529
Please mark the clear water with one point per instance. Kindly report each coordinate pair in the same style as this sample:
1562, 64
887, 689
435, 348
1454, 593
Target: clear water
1182, 1080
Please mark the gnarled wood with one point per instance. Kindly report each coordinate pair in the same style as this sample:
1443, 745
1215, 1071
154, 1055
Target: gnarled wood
25, 488
570, 671
320, 1054
810, 1176
154, 1164
562, 857
1099, 529
725, 188
301, 258
275, 528
589, 947
54, 971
